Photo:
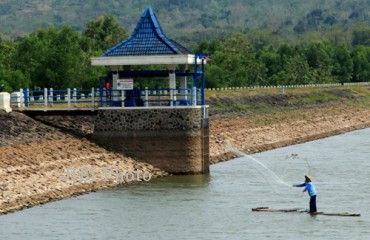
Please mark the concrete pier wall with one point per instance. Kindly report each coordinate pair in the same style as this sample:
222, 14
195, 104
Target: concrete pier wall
173, 139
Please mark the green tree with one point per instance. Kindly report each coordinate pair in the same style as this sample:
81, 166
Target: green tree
104, 33
30, 55
12, 79
236, 63
51, 58
297, 71
214, 76
361, 64
286, 51
342, 64
319, 56
263, 38
209, 47
273, 63
361, 35
7, 49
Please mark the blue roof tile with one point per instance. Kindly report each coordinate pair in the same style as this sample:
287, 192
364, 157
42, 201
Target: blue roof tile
147, 39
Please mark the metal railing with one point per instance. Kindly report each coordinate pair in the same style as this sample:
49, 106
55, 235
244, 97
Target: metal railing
95, 98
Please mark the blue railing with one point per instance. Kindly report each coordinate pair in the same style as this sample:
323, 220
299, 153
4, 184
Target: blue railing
95, 98
150, 97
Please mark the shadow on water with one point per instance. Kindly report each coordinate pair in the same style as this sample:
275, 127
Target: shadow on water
188, 181
167, 185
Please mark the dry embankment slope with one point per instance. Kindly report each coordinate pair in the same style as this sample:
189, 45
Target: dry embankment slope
34, 158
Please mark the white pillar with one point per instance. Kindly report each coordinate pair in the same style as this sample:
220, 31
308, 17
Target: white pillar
172, 82
69, 98
74, 97
171, 97
15, 99
123, 98
5, 102
146, 97
45, 97
115, 77
51, 97
21, 98
194, 96
184, 85
172, 85
28, 96
92, 97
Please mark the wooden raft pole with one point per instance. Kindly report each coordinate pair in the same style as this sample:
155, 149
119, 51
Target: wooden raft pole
299, 210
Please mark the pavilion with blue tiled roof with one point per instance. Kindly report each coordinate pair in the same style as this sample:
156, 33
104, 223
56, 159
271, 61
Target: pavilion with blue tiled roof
148, 45
167, 126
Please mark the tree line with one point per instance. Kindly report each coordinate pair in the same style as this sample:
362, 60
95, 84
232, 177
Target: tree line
60, 58
238, 62
259, 58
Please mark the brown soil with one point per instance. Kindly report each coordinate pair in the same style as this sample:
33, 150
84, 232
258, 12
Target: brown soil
35, 157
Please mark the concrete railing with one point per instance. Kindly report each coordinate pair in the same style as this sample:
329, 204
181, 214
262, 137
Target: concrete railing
292, 86
5, 102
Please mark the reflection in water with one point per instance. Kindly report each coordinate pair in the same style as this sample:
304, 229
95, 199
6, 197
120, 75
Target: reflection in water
189, 181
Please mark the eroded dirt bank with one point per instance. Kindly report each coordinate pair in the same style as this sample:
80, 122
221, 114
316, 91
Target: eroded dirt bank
35, 158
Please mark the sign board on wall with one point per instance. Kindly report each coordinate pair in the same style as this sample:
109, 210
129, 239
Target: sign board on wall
125, 84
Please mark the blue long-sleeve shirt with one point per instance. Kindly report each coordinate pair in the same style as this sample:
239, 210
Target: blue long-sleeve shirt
310, 188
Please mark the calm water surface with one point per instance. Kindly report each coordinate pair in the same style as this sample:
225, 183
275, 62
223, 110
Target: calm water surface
218, 206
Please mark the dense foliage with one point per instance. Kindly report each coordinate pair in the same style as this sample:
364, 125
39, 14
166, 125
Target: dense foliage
242, 60
237, 62
60, 58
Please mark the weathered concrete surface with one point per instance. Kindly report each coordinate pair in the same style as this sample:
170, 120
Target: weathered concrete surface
171, 139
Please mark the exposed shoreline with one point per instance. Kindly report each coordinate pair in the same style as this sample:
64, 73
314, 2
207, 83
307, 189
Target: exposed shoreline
34, 156
319, 124
36, 183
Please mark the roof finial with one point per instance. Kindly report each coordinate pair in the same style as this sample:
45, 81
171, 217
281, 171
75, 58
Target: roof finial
148, 38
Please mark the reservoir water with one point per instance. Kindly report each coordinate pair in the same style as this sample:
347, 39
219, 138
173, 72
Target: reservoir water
218, 206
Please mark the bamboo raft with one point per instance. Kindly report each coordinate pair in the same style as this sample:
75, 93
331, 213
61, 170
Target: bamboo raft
299, 210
